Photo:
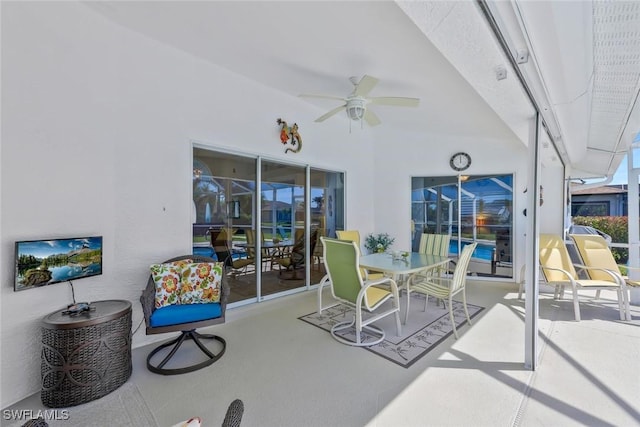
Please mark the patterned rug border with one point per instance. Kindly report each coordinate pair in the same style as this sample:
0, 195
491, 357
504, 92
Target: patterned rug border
420, 355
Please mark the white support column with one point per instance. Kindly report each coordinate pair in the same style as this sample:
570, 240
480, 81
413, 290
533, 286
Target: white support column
531, 277
633, 202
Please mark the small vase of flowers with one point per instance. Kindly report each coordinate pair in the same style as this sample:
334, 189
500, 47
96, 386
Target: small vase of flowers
378, 242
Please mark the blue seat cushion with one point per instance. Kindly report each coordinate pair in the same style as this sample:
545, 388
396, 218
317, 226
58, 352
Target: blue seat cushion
184, 313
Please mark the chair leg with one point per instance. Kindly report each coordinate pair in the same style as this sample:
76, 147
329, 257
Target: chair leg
398, 325
453, 322
406, 313
464, 304
325, 281
346, 325
176, 343
576, 306
623, 300
627, 297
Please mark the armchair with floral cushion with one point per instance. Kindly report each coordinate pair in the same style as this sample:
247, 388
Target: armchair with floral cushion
183, 294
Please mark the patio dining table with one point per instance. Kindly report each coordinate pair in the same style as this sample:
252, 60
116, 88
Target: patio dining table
414, 262
274, 250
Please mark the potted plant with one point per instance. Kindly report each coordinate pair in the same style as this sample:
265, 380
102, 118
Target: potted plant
378, 242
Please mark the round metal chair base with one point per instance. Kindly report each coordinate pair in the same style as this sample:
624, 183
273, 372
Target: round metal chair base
374, 332
176, 343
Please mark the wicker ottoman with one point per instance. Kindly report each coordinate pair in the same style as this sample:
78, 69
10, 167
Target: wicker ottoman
86, 356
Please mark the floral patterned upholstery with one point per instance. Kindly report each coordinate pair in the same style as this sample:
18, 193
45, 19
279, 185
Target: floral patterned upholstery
201, 283
167, 278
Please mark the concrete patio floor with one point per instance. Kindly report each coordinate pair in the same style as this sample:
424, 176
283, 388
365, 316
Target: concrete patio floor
289, 373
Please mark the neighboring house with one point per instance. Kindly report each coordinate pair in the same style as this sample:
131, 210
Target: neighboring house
608, 200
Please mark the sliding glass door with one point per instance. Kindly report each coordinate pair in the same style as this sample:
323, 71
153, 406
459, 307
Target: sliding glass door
469, 209
264, 219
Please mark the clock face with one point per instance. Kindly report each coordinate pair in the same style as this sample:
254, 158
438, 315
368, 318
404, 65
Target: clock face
460, 161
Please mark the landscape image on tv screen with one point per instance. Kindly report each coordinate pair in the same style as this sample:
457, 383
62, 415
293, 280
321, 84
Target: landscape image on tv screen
44, 262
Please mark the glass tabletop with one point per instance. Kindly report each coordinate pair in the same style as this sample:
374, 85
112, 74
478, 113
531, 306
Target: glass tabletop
415, 261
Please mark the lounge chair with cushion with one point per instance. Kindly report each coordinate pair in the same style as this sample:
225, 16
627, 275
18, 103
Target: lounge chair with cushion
559, 271
596, 256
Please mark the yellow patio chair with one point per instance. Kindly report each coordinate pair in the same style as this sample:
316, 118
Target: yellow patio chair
354, 236
596, 256
342, 263
559, 271
444, 288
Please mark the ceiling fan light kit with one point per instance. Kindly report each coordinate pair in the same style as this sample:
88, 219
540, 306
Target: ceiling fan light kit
356, 109
355, 104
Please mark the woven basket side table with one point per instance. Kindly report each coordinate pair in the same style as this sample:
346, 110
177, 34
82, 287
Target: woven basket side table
87, 356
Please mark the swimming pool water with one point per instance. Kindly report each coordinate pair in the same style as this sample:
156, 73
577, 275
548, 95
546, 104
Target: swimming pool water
482, 251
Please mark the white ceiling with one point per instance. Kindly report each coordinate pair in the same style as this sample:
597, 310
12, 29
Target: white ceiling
436, 51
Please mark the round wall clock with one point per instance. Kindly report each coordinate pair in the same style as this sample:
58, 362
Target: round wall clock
460, 161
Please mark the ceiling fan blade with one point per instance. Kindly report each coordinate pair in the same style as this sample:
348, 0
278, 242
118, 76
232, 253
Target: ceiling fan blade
366, 84
307, 95
371, 118
395, 100
330, 113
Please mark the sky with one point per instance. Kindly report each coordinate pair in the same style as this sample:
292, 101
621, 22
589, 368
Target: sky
621, 175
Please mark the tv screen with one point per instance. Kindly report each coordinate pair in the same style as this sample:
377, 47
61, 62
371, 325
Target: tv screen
44, 262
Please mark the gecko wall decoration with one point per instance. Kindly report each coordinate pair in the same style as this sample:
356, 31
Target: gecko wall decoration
290, 135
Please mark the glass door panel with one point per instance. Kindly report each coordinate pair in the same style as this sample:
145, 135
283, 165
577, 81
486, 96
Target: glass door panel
282, 228
469, 209
327, 213
223, 212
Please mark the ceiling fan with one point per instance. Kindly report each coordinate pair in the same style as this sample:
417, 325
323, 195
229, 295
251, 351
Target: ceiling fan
356, 103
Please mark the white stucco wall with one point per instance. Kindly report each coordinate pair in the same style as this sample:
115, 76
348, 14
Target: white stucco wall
97, 127
496, 153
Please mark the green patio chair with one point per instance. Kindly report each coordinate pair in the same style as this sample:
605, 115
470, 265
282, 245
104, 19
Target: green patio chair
350, 236
342, 263
354, 236
444, 288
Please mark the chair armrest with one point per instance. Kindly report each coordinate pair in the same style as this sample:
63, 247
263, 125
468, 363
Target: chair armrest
428, 272
566, 273
615, 275
383, 281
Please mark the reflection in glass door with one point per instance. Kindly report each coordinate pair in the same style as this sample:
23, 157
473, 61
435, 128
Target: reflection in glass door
327, 212
469, 209
282, 232
223, 212
267, 234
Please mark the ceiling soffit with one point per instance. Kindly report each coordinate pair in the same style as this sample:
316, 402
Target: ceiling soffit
459, 32
584, 72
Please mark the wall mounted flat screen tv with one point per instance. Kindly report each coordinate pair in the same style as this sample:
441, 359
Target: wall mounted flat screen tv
45, 262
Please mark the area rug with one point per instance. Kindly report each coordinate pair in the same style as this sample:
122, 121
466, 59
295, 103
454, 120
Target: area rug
422, 333
124, 407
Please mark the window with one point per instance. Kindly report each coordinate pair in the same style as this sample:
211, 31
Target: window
469, 209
